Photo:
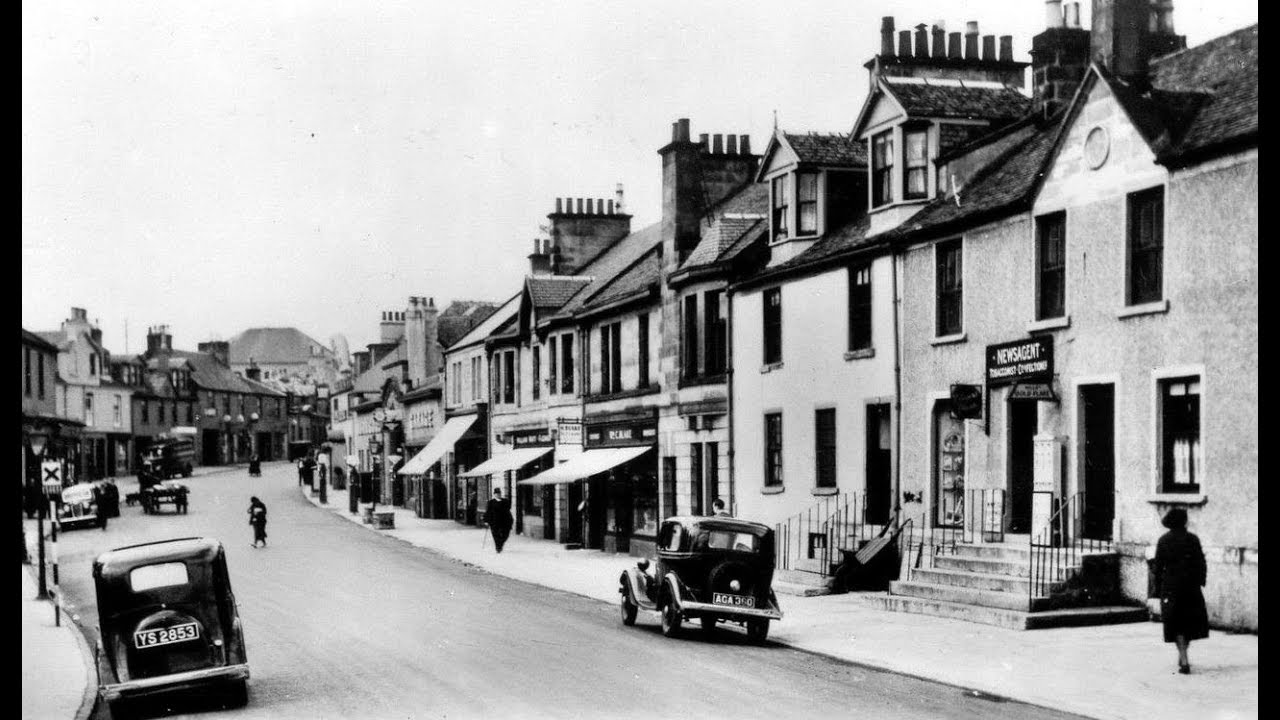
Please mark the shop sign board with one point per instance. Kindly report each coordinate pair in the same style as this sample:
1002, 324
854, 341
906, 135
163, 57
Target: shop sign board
621, 434
531, 439
1033, 391
569, 432
1019, 361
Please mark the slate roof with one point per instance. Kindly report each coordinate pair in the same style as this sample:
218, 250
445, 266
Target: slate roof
274, 345
550, 293
957, 99
612, 261
847, 239
209, 374
35, 340
828, 149
57, 338
642, 275
1215, 86
460, 317
731, 224
371, 380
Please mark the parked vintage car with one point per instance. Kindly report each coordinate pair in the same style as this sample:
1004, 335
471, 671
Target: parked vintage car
165, 492
80, 506
714, 569
168, 623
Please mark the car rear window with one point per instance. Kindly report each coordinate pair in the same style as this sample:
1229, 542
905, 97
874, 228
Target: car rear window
149, 577
731, 540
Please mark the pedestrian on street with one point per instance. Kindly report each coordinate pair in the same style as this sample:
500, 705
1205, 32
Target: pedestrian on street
308, 470
497, 515
258, 519
1179, 574
718, 509
255, 466
302, 476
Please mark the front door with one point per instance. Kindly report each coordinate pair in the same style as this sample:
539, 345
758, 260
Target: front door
210, 447
548, 510
1097, 403
620, 499
879, 492
1023, 425
597, 504
574, 533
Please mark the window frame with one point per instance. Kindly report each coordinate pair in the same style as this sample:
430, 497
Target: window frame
810, 203
642, 350
40, 375
860, 307
825, 474
922, 168
553, 387
944, 295
773, 459
882, 162
1192, 385
566, 363
1045, 275
696, 485
1135, 203
771, 316
535, 357
689, 345
780, 208
713, 334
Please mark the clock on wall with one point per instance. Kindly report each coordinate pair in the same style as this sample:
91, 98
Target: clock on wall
1097, 145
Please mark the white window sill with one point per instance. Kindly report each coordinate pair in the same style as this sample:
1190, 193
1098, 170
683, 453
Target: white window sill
826, 491
1151, 308
1177, 498
949, 339
770, 367
862, 354
772, 490
1057, 323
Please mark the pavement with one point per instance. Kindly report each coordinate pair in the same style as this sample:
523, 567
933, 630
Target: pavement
1114, 672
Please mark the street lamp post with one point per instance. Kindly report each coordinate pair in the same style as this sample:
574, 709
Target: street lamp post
38, 441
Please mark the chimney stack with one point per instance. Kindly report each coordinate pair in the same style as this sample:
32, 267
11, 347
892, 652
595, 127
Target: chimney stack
886, 36
971, 40
1006, 48
1126, 34
939, 40
988, 47
904, 43
1059, 60
922, 41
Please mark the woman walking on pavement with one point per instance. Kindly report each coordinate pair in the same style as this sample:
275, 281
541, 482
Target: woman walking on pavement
258, 519
1179, 575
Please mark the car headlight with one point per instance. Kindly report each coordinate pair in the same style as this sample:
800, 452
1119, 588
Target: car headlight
734, 585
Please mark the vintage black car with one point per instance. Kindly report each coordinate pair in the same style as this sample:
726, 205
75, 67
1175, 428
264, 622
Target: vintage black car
168, 623
80, 505
715, 569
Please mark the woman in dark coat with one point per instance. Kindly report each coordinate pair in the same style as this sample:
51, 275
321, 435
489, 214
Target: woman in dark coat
1179, 575
258, 519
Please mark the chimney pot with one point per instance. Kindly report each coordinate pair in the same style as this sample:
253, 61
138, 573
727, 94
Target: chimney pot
579, 206
1053, 14
904, 43
744, 145
591, 206
684, 129
939, 49
717, 144
1073, 15
971, 40
675, 132
988, 47
537, 246
953, 45
731, 144
705, 141
559, 207
922, 41
610, 206
1006, 48
886, 36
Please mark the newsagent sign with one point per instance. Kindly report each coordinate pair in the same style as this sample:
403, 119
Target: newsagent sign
1020, 361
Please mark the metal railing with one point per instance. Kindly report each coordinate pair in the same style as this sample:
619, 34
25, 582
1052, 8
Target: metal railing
1058, 548
818, 533
984, 514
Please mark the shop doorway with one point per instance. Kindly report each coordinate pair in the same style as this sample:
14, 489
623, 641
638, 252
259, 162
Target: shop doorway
949, 467
597, 504
620, 508
574, 526
879, 491
209, 448
548, 510
1023, 426
1097, 404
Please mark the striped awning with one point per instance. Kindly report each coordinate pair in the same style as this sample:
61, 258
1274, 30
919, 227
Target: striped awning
586, 464
439, 445
513, 460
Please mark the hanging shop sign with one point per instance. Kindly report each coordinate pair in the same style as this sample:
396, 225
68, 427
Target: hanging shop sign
569, 432
966, 402
1020, 361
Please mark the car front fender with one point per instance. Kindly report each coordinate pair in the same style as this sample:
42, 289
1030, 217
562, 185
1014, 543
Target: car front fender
674, 590
636, 584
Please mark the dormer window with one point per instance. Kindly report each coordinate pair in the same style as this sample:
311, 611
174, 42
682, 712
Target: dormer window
882, 169
916, 165
781, 202
807, 203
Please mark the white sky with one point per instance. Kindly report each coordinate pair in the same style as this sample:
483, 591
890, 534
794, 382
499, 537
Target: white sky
244, 164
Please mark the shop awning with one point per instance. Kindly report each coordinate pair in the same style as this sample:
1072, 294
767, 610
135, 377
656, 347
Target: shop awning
353, 461
513, 460
439, 445
183, 430
590, 462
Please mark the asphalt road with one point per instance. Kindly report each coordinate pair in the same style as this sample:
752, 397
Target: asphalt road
341, 622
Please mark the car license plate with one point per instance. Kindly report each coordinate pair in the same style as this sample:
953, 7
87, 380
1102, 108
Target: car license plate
166, 636
735, 600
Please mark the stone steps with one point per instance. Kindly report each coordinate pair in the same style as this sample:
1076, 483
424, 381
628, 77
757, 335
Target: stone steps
985, 566
966, 595
1008, 618
974, 580
800, 583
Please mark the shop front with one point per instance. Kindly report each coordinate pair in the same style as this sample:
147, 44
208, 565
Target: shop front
529, 453
425, 469
613, 483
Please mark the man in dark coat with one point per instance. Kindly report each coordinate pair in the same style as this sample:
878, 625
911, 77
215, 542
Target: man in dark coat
497, 515
1179, 574
258, 519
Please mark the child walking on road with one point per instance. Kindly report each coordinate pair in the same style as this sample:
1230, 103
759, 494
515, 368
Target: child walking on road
258, 519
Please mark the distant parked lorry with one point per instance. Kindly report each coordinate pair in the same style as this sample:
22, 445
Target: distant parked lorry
169, 457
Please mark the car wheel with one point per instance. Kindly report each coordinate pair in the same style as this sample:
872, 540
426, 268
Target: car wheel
708, 625
629, 609
758, 630
671, 620
238, 695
